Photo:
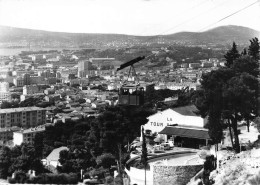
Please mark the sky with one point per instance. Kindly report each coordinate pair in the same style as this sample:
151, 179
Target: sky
132, 17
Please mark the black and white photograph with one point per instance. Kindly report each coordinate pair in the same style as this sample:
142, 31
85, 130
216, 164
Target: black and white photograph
130, 92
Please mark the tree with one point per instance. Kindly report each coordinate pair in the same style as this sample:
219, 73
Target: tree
5, 159
106, 160
254, 48
11, 84
238, 100
209, 101
117, 127
231, 55
257, 122
38, 145
246, 64
244, 52
6, 105
230, 94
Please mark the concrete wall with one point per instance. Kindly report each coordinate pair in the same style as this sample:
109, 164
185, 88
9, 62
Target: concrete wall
137, 176
179, 175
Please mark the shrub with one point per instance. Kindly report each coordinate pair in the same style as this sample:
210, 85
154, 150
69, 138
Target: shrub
11, 180
100, 173
106, 160
109, 180
20, 177
62, 178
140, 165
255, 180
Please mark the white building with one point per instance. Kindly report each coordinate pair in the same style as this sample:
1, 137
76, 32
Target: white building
179, 86
31, 89
5, 95
18, 81
27, 136
53, 158
179, 124
4, 86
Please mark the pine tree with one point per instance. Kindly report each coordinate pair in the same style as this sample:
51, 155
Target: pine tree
244, 52
232, 55
254, 48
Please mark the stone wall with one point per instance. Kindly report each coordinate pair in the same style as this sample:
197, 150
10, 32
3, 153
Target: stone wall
175, 175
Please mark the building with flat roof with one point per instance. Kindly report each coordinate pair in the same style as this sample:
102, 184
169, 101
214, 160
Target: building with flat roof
6, 134
4, 86
27, 135
18, 81
5, 95
101, 61
180, 125
24, 117
31, 89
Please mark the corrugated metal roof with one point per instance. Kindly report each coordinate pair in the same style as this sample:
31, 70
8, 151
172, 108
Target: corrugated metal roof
186, 132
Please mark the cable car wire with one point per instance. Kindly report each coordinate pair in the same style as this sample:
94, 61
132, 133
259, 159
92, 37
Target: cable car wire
230, 15
226, 17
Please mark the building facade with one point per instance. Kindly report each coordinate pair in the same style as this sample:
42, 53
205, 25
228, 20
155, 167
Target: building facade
26, 79
31, 89
180, 126
83, 68
6, 134
5, 95
25, 117
26, 136
18, 81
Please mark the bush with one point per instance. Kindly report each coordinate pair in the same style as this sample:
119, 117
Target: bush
100, 173
62, 178
109, 180
11, 180
20, 177
140, 165
106, 160
255, 180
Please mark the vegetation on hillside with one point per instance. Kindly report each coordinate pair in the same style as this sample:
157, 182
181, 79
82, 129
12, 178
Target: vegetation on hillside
229, 94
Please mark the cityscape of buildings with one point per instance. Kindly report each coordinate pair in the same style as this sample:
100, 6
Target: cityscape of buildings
39, 89
64, 85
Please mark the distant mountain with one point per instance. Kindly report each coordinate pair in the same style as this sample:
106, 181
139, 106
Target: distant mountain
220, 35
10, 36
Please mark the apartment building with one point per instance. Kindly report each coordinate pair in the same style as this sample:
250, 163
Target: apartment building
18, 81
194, 65
24, 117
6, 134
31, 89
27, 135
5, 95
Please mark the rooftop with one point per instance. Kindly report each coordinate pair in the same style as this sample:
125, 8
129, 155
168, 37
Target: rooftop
20, 109
186, 132
187, 110
32, 130
55, 154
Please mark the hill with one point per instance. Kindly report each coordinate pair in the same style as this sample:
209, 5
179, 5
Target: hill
23, 37
219, 35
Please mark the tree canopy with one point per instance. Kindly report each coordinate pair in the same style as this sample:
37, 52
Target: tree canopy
229, 94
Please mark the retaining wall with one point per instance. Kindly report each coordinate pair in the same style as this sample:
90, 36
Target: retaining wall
175, 175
